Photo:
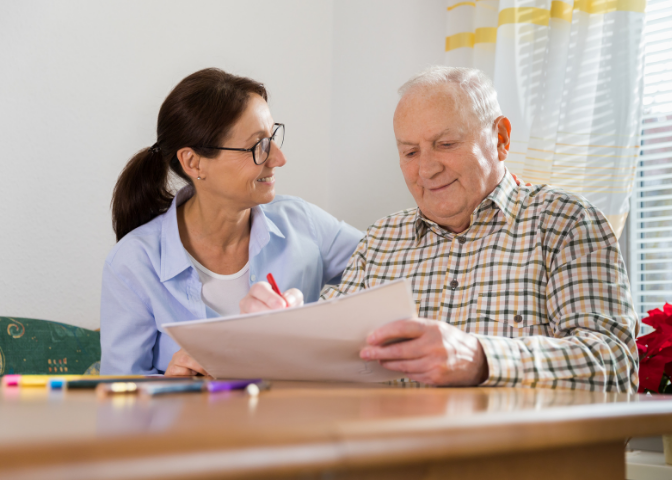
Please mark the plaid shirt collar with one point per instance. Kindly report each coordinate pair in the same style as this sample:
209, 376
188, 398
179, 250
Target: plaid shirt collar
503, 198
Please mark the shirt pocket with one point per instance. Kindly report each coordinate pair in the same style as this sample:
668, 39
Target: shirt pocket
515, 311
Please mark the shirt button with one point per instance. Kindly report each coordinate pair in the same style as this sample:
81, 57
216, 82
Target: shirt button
453, 284
462, 240
253, 277
518, 318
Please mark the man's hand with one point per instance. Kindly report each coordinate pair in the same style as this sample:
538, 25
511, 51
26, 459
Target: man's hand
435, 353
182, 365
261, 298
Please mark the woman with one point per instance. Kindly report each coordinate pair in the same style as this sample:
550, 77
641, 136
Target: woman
196, 254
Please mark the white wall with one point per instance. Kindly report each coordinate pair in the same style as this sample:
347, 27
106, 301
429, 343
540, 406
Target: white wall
81, 83
378, 45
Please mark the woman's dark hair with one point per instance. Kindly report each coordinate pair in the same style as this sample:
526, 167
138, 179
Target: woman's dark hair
201, 110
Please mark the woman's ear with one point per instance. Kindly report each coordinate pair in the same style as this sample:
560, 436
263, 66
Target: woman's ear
503, 128
191, 163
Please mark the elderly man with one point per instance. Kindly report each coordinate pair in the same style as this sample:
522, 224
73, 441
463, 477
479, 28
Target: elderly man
514, 285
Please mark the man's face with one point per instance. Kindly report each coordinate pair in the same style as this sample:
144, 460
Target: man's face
450, 163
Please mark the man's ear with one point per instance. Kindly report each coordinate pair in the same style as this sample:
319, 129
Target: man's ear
190, 161
503, 127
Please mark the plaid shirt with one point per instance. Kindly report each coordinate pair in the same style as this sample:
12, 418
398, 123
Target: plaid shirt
538, 277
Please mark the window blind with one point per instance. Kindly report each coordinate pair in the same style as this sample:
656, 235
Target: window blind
650, 237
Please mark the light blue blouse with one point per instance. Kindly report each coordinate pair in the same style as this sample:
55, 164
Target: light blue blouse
148, 280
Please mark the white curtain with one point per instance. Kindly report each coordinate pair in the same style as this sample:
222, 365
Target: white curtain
569, 77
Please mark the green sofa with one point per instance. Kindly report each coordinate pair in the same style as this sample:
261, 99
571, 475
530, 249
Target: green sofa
41, 347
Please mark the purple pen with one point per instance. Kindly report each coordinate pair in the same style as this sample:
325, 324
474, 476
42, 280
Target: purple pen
225, 386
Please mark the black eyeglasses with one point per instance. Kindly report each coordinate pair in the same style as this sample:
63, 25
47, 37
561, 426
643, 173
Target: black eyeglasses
262, 148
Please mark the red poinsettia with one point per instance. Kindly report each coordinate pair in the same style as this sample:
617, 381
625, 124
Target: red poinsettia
655, 352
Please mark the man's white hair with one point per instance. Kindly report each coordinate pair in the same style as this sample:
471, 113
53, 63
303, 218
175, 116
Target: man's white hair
474, 83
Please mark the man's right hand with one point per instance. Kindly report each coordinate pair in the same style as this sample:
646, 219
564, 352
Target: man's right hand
262, 298
434, 352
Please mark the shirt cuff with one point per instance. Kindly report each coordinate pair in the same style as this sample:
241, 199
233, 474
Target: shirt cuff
505, 364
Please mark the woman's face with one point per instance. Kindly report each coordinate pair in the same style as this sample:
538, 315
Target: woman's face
233, 176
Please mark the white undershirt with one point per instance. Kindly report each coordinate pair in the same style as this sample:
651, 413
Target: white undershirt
223, 293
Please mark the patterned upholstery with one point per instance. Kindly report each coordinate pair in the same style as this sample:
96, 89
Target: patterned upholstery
29, 346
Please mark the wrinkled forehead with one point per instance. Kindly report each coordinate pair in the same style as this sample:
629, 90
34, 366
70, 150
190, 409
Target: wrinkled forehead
445, 101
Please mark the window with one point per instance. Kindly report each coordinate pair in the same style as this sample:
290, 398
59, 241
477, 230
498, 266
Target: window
650, 256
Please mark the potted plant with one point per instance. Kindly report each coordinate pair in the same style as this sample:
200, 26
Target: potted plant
655, 360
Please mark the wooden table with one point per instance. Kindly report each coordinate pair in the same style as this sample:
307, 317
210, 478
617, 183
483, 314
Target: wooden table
326, 431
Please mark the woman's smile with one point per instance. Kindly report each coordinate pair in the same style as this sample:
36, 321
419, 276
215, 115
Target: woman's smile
269, 179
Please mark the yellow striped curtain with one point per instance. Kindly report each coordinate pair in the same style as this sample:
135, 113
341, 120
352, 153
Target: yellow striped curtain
569, 77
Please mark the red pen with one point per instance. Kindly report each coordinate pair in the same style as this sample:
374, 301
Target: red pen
275, 288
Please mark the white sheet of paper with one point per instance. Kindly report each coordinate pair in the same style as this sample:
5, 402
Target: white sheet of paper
319, 341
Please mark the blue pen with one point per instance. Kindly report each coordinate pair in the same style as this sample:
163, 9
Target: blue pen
159, 388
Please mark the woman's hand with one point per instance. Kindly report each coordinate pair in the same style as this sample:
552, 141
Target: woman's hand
261, 298
518, 181
182, 365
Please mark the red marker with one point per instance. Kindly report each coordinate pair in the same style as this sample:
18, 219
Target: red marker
275, 288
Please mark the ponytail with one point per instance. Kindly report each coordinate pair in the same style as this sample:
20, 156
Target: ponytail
201, 110
141, 192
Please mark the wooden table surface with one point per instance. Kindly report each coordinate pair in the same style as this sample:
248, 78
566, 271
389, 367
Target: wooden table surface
310, 430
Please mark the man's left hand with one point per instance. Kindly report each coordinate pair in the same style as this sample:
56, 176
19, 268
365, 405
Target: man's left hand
434, 353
